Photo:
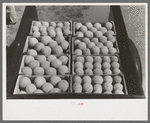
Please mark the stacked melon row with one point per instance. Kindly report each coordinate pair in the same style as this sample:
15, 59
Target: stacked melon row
61, 58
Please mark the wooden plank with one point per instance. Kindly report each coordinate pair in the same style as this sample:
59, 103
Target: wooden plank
76, 96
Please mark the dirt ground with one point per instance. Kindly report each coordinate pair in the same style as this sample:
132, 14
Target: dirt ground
11, 30
134, 17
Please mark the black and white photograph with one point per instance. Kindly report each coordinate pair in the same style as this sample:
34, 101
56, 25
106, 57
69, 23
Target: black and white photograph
75, 61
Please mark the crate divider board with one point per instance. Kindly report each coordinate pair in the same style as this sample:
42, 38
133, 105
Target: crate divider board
71, 82
16, 89
124, 82
26, 44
